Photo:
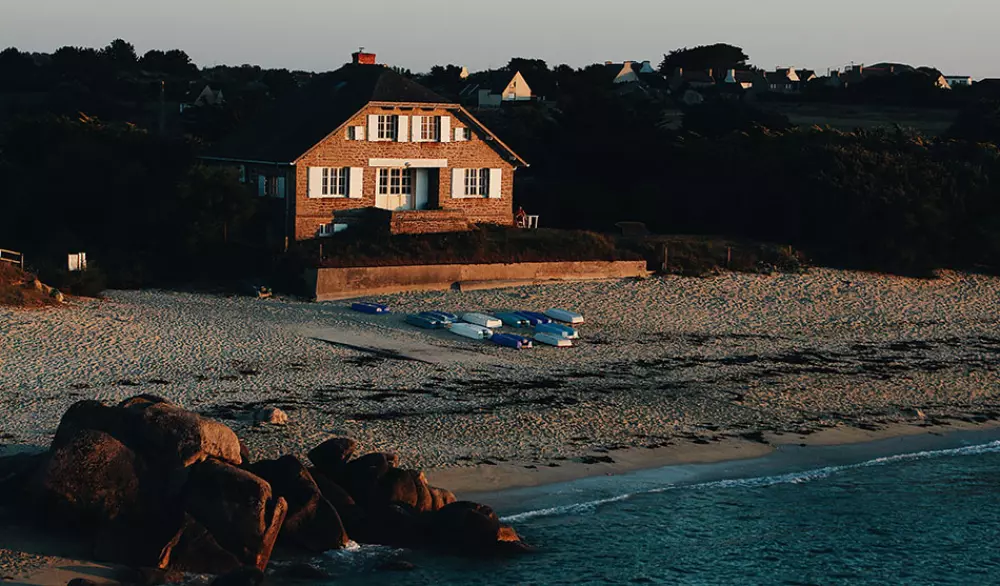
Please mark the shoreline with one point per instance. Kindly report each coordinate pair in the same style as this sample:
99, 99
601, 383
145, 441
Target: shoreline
723, 460
469, 481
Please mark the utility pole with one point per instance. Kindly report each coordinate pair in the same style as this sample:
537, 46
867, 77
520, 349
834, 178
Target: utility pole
163, 107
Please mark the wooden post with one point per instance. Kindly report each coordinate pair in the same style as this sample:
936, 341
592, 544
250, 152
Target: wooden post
665, 267
729, 256
286, 243
321, 252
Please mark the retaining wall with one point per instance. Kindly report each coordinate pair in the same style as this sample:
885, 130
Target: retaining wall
345, 283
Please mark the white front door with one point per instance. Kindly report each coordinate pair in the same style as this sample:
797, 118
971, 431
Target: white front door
421, 182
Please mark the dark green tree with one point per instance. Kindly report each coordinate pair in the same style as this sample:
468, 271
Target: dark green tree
719, 57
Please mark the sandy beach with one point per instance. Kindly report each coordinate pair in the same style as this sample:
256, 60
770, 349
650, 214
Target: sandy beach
669, 370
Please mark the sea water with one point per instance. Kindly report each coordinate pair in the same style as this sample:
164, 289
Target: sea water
926, 516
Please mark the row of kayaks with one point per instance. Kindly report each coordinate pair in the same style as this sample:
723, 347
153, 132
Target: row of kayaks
517, 319
481, 326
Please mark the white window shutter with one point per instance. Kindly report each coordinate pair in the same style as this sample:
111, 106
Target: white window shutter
373, 127
496, 177
261, 185
457, 183
355, 183
446, 129
281, 188
417, 128
459, 135
359, 133
315, 188
403, 128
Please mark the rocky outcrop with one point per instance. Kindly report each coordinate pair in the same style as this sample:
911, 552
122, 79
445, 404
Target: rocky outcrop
238, 508
155, 429
312, 522
90, 480
151, 485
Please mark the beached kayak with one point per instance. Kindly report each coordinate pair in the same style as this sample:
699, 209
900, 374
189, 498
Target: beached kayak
470, 331
481, 319
425, 322
558, 330
513, 320
553, 340
534, 318
511, 341
442, 316
565, 316
373, 308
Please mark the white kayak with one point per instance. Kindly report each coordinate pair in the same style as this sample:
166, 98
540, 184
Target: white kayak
565, 316
481, 319
553, 340
471, 331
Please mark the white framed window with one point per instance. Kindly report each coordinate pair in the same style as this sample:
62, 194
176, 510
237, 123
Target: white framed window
388, 127
463, 134
335, 182
477, 182
325, 230
430, 128
395, 181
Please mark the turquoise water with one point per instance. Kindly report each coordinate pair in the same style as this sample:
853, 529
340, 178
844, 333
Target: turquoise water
930, 516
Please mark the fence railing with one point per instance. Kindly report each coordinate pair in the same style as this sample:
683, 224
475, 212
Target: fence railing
12, 256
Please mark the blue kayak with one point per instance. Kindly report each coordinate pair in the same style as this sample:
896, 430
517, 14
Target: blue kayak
373, 308
513, 320
425, 322
558, 330
534, 318
442, 316
511, 341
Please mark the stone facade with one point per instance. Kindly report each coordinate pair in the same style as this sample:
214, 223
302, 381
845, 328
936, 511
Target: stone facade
338, 150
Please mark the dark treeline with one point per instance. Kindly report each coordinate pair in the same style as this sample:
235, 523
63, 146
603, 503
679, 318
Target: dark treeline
97, 156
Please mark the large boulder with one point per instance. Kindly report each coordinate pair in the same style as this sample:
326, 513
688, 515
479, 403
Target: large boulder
197, 551
395, 525
352, 515
331, 456
464, 526
160, 432
407, 487
91, 480
238, 508
361, 476
440, 498
312, 522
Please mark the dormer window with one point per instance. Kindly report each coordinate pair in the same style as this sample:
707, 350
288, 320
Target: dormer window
388, 127
430, 128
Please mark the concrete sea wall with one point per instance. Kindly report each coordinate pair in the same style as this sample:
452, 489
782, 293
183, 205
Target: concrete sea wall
344, 283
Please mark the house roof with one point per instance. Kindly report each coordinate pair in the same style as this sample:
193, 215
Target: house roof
296, 123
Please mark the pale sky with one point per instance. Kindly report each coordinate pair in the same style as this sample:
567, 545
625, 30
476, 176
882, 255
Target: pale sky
957, 36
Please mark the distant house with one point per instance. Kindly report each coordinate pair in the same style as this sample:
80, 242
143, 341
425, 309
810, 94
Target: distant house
745, 79
491, 89
958, 80
207, 97
629, 71
693, 79
364, 143
783, 80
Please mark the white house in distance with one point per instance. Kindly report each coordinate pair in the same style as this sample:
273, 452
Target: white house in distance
629, 71
958, 80
494, 88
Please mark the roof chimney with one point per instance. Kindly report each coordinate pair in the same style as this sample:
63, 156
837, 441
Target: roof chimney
362, 58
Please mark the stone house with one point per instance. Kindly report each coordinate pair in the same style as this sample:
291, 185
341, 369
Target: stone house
365, 144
